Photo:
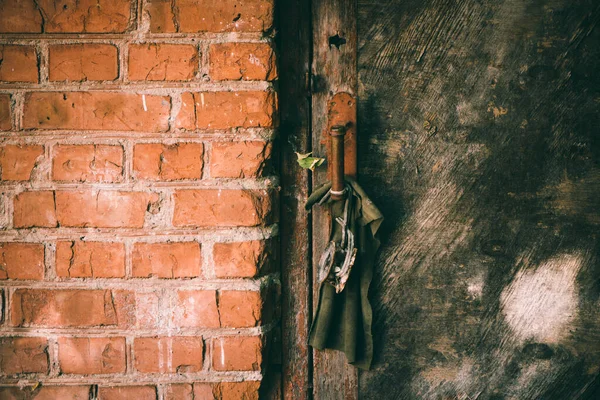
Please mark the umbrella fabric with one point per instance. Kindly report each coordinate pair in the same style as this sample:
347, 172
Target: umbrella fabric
343, 320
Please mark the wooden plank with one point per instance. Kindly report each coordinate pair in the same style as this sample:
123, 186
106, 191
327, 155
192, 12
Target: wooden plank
334, 71
294, 43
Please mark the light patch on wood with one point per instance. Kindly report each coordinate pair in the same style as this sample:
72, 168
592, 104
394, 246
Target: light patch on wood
540, 304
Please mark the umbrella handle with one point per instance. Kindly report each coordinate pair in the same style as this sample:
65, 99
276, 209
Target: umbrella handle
337, 133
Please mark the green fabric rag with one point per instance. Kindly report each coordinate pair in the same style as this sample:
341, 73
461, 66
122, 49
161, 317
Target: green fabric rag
343, 320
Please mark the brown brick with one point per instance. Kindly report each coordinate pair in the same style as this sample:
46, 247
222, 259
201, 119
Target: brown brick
196, 308
242, 61
45, 392
167, 260
86, 16
20, 16
162, 62
90, 259
168, 354
18, 64
155, 161
102, 209
22, 261
34, 209
96, 111
17, 161
5, 114
88, 163
23, 355
85, 356
71, 308
182, 391
211, 16
239, 159
237, 390
83, 62
240, 260
237, 353
127, 393
216, 207
223, 110
239, 309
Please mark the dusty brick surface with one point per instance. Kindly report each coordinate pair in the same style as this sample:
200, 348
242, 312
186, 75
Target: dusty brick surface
22, 261
156, 161
237, 390
83, 62
89, 16
240, 260
196, 308
34, 209
88, 163
162, 62
127, 393
220, 207
86, 356
96, 111
19, 64
239, 159
5, 114
167, 260
223, 16
20, 16
22, 355
79, 259
237, 353
240, 308
222, 110
242, 61
70, 392
17, 161
169, 354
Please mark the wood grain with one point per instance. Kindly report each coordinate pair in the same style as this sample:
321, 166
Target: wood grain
479, 140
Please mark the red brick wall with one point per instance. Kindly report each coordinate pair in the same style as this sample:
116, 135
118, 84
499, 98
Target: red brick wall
138, 202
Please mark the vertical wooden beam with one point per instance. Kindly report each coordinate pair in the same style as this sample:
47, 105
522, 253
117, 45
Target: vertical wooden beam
295, 48
334, 71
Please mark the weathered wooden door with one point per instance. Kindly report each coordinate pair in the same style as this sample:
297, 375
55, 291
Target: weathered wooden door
479, 138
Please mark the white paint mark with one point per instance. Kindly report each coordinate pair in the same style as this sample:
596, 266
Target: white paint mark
144, 102
222, 352
541, 303
202, 99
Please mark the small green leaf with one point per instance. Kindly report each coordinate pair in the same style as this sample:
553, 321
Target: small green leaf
308, 162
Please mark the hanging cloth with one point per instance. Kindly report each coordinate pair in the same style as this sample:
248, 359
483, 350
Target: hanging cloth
343, 317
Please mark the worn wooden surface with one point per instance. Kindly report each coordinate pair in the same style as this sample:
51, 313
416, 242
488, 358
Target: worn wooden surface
479, 139
334, 71
294, 45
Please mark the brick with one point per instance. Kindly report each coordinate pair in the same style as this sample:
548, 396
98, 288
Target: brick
186, 117
205, 391
237, 390
155, 161
240, 260
88, 163
18, 64
83, 62
20, 16
162, 62
210, 16
212, 207
22, 261
43, 392
5, 114
101, 209
85, 16
196, 308
223, 110
239, 159
34, 209
71, 308
96, 111
23, 355
242, 61
183, 391
237, 353
86, 356
239, 309
127, 393
167, 260
148, 307
81, 259
168, 354
18, 161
